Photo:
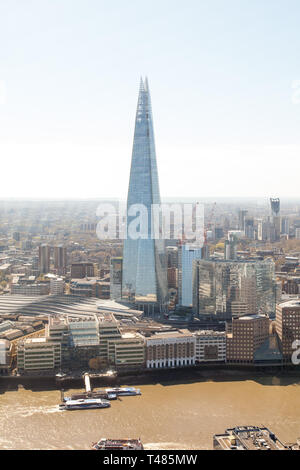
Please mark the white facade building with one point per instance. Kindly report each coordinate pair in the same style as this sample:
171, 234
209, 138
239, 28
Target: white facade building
170, 349
210, 346
57, 286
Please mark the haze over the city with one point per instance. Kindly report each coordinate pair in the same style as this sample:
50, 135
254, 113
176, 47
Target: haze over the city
224, 79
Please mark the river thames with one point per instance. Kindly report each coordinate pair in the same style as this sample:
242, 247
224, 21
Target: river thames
165, 416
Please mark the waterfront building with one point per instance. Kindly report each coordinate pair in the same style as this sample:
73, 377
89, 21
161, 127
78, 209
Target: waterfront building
229, 287
288, 326
6, 349
116, 267
34, 354
187, 254
170, 349
127, 351
210, 346
84, 332
144, 259
108, 333
44, 258
245, 337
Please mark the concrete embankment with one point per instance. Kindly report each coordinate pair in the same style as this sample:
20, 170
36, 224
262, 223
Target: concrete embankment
149, 377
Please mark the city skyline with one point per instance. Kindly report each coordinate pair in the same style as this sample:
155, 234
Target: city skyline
64, 101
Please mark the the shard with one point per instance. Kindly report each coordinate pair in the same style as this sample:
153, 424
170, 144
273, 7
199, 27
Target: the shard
144, 259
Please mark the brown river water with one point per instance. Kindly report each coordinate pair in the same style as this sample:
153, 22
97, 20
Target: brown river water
165, 416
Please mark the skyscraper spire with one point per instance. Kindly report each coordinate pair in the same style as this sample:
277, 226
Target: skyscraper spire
144, 262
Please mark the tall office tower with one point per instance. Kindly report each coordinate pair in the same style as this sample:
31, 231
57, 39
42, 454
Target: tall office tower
275, 222
60, 259
227, 288
172, 256
230, 248
285, 225
116, 278
275, 206
249, 227
144, 259
187, 254
241, 222
44, 258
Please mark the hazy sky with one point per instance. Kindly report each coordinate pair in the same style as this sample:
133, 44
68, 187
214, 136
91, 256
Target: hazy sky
221, 75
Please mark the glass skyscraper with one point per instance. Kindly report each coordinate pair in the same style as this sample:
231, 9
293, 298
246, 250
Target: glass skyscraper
144, 259
187, 254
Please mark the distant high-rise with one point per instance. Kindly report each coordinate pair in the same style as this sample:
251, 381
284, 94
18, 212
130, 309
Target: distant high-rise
116, 278
44, 258
275, 221
60, 259
275, 206
187, 254
144, 260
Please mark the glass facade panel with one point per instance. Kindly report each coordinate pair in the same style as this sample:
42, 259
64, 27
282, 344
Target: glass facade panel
234, 287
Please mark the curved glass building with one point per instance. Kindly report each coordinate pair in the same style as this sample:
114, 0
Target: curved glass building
144, 279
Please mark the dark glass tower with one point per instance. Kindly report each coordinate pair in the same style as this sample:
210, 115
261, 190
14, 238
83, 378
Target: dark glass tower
144, 259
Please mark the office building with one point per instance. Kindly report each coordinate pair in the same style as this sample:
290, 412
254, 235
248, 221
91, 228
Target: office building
84, 332
57, 286
30, 289
210, 346
172, 256
172, 278
128, 351
288, 326
187, 254
241, 219
170, 349
116, 267
60, 259
44, 258
81, 270
245, 337
108, 333
34, 354
144, 259
226, 288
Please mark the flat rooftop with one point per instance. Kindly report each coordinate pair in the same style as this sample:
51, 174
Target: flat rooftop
291, 303
249, 438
